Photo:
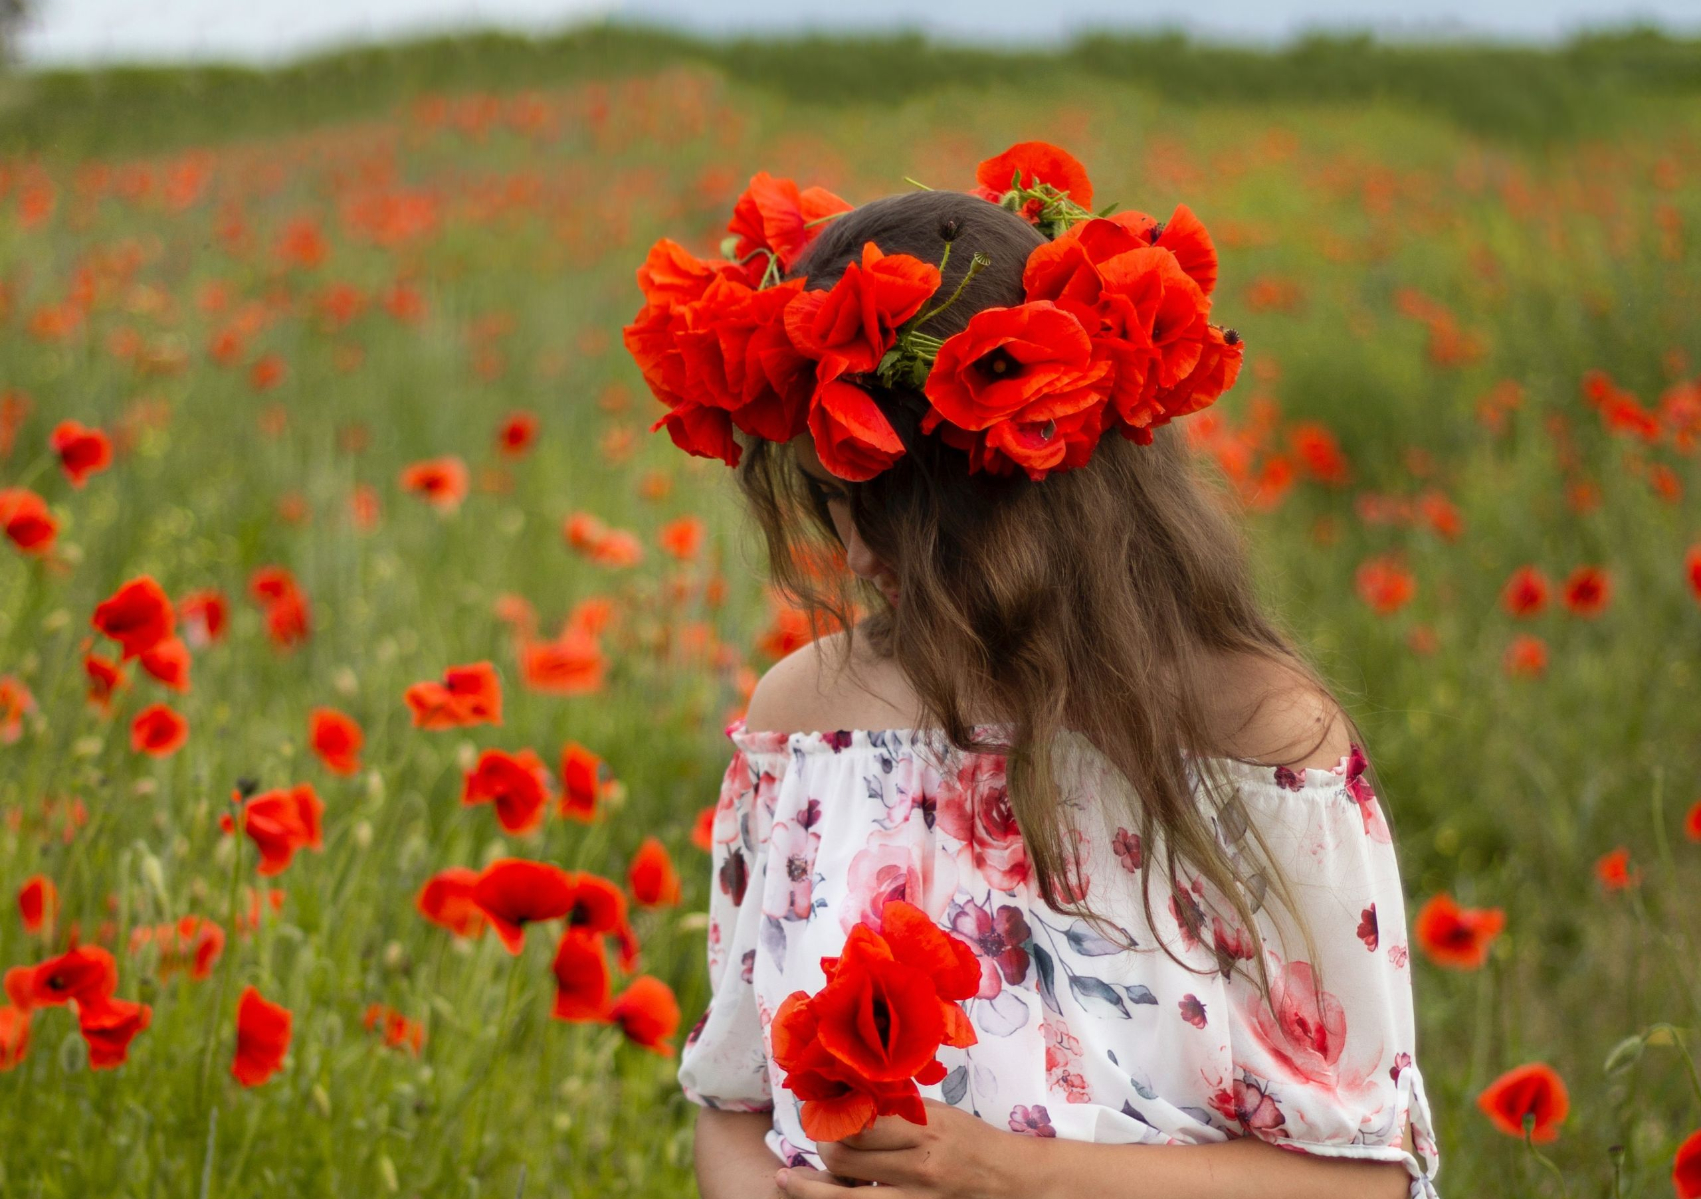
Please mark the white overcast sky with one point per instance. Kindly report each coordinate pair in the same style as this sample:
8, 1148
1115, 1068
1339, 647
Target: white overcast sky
69, 32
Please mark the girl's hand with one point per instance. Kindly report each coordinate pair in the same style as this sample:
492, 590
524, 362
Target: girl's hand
953, 1156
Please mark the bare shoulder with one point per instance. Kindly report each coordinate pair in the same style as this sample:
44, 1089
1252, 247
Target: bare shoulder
1269, 712
830, 684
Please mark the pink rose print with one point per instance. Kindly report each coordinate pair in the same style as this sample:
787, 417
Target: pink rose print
1401, 1061
1126, 846
1249, 1104
1288, 779
1367, 931
1073, 886
1358, 790
1233, 943
1034, 1121
792, 848
1192, 1010
892, 866
997, 939
1063, 1050
914, 783
974, 808
1302, 1028
1397, 955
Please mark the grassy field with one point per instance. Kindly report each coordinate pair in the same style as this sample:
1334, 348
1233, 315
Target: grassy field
1468, 354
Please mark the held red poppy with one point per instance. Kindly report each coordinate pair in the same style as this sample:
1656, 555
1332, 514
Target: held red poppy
515, 892
38, 904
653, 880
1456, 937
108, 1026
138, 616
853, 323
158, 731
446, 899
82, 451
516, 784
263, 1033
773, 215
85, 974
14, 1037
581, 977
337, 738
27, 521
468, 695
1029, 165
1685, 1164
1534, 1091
647, 1013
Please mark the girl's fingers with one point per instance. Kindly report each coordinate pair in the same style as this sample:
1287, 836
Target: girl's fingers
888, 1132
802, 1182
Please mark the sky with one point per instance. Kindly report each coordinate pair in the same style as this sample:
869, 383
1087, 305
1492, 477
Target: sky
75, 32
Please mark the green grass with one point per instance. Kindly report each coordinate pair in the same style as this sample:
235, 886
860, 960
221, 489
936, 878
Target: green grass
1503, 791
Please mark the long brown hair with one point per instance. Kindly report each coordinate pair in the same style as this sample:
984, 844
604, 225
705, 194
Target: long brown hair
1089, 601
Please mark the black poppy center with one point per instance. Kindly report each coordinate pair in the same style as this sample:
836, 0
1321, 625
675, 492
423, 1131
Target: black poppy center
999, 364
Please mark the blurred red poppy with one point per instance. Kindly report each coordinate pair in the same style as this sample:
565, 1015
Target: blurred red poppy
514, 892
447, 900
1534, 1091
87, 973
516, 783
572, 664
652, 877
1685, 1164
581, 977
14, 1037
399, 1032
280, 822
336, 738
1692, 568
1692, 822
105, 677
15, 702
1526, 656
1456, 937
1526, 592
288, 617
25, 519
1385, 584
38, 903
158, 731
1613, 870
262, 1038
682, 538
584, 779
205, 614
82, 451
516, 434
703, 829
168, 661
468, 695
138, 616
1587, 591
441, 482
647, 1013
108, 1026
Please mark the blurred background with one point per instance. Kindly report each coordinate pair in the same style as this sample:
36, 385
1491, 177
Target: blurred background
341, 286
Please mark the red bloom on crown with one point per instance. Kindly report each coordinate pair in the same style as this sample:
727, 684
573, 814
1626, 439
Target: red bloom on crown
1114, 331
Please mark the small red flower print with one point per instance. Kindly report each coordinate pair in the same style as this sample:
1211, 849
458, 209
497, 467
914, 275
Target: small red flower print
447, 900
1525, 593
516, 784
262, 1038
1401, 1062
441, 482
158, 731
1034, 1121
1192, 1010
27, 521
1367, 931
1587, 591
467, 695
38, 904
652, 878
138, 616
1455, 937
647, 1013
108, 1026
1126, 846
82, 451
336, 738
1526, 657
581, 977
1613, 870
1685, 1165
1534, 1092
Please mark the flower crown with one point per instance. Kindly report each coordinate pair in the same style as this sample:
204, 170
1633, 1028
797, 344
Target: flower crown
1113, 331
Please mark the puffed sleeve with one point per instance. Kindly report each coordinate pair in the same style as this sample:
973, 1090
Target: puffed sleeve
1327, 1064
724, 1063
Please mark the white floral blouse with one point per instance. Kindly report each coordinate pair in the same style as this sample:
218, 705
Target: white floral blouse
1079, 1037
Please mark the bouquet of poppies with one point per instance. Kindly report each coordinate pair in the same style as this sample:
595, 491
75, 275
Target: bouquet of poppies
858, 1047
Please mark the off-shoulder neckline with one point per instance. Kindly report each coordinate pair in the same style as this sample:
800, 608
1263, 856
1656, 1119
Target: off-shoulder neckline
842, 741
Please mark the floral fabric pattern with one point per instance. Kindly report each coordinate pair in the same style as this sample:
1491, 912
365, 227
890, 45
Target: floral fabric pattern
1087, 1030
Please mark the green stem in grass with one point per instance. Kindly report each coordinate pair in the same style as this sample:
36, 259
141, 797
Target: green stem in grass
496, 1057
230, 909
1484, 1018
1529, 1125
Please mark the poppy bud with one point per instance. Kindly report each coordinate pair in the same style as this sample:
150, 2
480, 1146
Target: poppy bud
949, 230
246, 786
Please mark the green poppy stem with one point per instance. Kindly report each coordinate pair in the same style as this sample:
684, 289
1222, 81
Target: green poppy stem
1529, 1125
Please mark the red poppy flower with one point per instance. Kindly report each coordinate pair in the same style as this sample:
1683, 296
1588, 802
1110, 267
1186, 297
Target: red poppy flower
514, 892
38, 903
1455, 937
86, 974
1692, 567
25, 519
1526, 656
336, 738
1024, 377
398, 1031
1526, 592
441, 482
852, 437
158, 731
280, 822
194, 944
581, 977
138, 616
572, 664
105, 677
516, 783
1692, 822
1587, 591
855, 322
647, 1013
652, 877
1319, 452
1534, 1091
447, 900
15, 702
262, 1038
774, 215
468, 695
703, 829
82, 451
288, 618
584, 780
683, 538
878, 1016
205, 614
516, 434
1685, 1165
108, 1026
14, 1037
1385, 584
168, 661
1028, 165
1613, 869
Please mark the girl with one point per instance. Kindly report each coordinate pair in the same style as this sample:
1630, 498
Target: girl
1055, 717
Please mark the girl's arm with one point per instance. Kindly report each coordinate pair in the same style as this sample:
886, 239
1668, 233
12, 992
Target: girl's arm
957, 1156
733, 1161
